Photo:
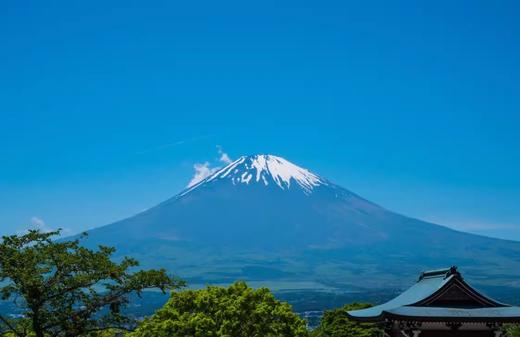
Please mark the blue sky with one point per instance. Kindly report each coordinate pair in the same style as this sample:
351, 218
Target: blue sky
106, 108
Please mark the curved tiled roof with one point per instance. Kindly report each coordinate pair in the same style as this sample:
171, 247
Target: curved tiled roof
421, 301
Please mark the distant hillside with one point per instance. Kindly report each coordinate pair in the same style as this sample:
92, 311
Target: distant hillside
270, 222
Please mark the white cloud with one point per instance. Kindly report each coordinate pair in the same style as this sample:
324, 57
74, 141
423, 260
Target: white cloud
202, 171
470, 225
482, 226
224, 157
38, 223
173, 144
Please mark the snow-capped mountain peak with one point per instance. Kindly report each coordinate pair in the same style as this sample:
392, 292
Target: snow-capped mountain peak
265, 169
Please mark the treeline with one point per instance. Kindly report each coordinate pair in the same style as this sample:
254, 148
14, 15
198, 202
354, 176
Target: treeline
67, 290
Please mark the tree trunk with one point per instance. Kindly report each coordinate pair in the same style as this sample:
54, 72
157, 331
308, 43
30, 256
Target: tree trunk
36, 325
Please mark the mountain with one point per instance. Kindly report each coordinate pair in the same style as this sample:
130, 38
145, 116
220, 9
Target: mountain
266, 220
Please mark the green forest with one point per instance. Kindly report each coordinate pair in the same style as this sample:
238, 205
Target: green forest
66, 290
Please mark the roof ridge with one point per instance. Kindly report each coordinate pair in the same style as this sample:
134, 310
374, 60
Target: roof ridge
444, 272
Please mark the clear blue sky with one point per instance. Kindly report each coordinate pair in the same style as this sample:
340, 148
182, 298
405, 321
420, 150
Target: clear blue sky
106, 106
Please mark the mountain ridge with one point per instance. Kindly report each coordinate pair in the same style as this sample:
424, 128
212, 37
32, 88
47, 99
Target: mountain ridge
263, 211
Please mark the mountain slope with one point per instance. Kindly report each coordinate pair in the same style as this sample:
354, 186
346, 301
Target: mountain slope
264, 219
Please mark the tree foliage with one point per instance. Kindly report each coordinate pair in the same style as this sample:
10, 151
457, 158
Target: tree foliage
512, 330
336, 323
68, 290
235, 311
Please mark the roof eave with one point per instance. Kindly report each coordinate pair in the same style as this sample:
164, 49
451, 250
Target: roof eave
396, 317
368, 319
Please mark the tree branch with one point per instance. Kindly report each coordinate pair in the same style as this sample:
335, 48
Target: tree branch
13, 330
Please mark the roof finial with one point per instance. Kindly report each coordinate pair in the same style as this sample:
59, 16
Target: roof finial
453, 271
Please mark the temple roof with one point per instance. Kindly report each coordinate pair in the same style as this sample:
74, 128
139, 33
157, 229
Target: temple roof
440, 295
500, 314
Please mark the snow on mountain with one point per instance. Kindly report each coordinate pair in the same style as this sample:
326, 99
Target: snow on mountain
265, 169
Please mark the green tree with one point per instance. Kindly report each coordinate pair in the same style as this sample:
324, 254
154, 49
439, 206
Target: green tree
235, 311
512, 330
336, 323
66, 289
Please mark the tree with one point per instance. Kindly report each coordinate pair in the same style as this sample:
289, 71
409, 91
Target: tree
236, 311
512, 330
336, 323
66, 289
